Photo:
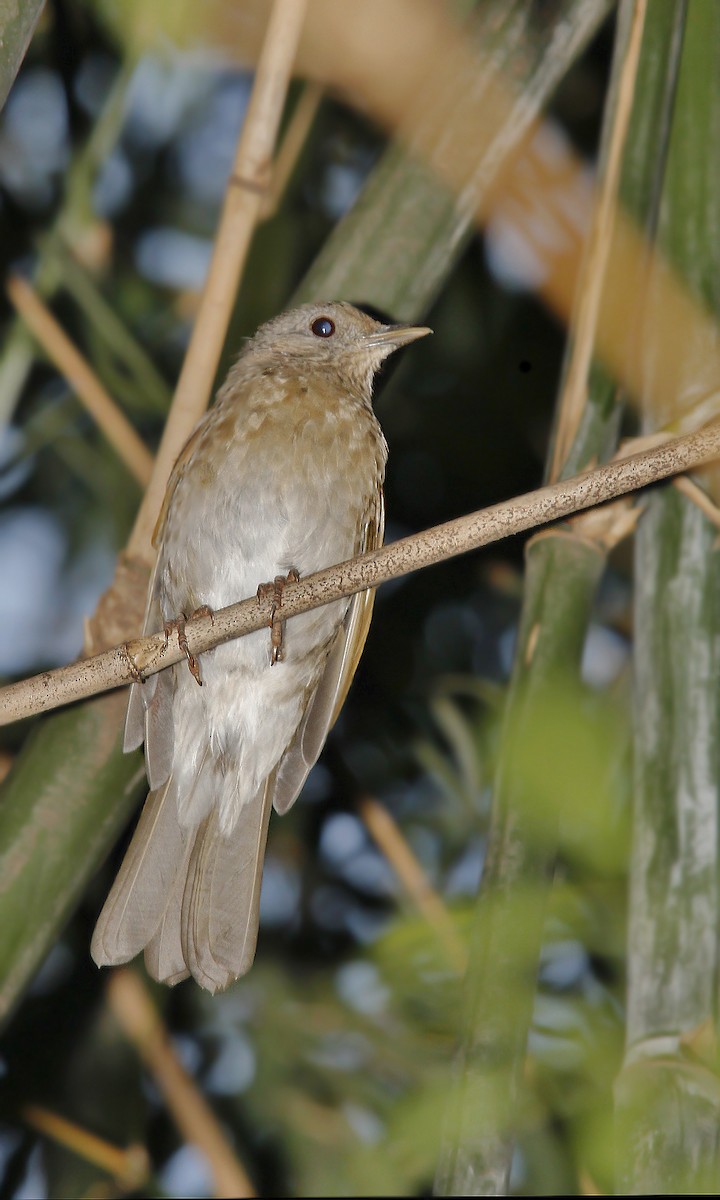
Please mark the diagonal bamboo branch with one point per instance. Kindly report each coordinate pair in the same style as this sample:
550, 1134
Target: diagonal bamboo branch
130, 1003
130, 1167
291, 147
594, 267
80, 376
390, 839
244, 199
145, 656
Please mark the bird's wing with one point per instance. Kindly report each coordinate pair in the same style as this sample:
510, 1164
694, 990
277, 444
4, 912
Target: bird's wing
141, 694
149, 716
149, 712
180, 463
323, 708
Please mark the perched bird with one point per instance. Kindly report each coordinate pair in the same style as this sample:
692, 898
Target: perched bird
283, 475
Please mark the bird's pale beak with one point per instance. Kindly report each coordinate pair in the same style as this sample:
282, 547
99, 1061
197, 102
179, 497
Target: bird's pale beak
394, 336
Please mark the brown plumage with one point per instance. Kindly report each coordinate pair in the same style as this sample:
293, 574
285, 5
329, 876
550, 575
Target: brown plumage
284, 473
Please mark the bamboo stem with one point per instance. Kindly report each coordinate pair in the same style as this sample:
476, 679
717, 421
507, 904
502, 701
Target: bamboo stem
594, 270
130, 1167
291, 147
246, 191
142, 657
561, 578
484, 1114
135, 1013
667, 1093
143, 384
389, 837
70, 362
71, 224
695, 493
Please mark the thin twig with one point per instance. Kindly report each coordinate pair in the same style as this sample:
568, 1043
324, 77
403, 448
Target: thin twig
291, 146
247, 187
130, 1167
389, 837
594, 268
700, 498
133, 1009
90, 391
138, 372
145, 656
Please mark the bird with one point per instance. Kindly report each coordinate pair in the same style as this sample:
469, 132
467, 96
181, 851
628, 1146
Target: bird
282, 476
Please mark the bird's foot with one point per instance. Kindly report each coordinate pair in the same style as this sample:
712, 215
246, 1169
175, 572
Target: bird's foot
178, 624
274, 591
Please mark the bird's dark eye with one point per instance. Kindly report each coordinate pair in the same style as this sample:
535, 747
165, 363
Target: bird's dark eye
323, 327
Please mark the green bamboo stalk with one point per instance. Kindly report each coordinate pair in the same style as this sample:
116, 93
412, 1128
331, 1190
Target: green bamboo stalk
561, 576
668, 1091
396, 212
143, 388
50, 844
516, 879
368, 257
56, 267
17, 23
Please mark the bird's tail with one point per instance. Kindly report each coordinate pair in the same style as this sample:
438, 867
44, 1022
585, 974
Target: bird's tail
190, 896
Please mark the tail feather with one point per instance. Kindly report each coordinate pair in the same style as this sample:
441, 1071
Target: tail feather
139, 896
164, 958
221, 902
189, 897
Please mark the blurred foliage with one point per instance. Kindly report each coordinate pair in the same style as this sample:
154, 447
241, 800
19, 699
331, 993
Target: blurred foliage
329, 1064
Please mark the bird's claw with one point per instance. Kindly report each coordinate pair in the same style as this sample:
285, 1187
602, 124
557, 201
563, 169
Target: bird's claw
178, 624
274, 591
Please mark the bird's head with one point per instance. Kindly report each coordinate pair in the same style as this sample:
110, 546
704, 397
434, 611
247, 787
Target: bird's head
333, 336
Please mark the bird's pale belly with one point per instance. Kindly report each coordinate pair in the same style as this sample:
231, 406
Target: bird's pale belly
247, 709
219, 552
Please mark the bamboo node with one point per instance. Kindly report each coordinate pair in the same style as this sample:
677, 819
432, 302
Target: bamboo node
259, 187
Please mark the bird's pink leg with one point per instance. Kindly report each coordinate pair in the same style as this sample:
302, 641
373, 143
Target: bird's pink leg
178, 624
275, 591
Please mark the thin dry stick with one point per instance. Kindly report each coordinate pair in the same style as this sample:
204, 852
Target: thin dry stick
141, 657
291, 146
68, 360
683, 483
130, 1167
247, 187
135, 1013
574, 395
695, 493
394, 846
